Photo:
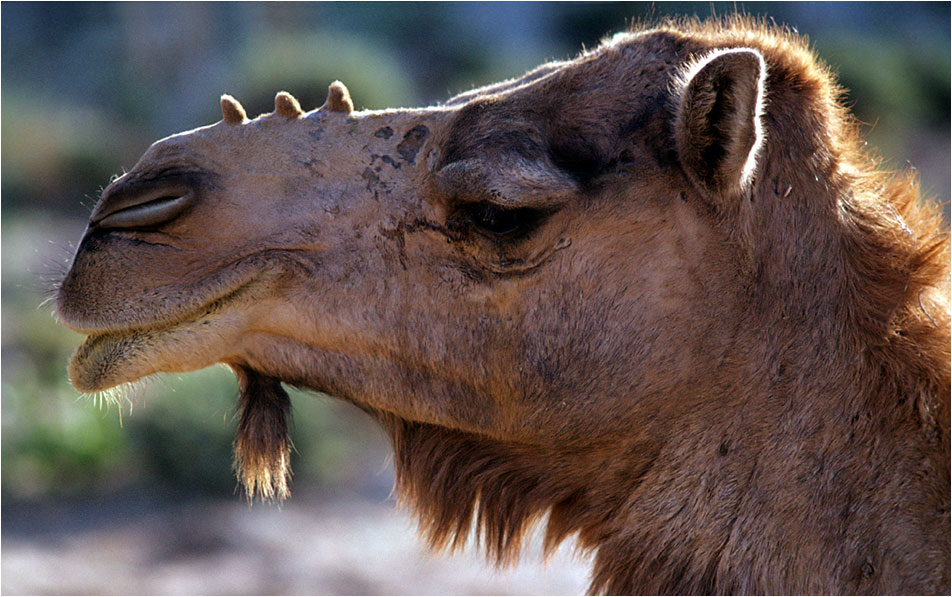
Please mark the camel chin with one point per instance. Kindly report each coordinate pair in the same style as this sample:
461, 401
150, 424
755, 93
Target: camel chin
107, 360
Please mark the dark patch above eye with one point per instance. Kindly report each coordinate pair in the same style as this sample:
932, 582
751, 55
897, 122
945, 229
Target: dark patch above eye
578, 159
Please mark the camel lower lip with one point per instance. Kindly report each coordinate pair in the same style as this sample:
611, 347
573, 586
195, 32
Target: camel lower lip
106, 360
102, 362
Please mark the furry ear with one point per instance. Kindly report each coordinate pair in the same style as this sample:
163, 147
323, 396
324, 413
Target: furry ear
718, 130
262, 443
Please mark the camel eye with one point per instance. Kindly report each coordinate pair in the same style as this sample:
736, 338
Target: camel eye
501, 222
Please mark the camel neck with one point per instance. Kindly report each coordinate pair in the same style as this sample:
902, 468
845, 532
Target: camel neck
819, 457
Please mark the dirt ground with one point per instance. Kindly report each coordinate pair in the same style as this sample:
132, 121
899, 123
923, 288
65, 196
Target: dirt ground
166, 545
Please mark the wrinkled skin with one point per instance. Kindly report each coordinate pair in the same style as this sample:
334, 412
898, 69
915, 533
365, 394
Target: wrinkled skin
626, 290
293, 219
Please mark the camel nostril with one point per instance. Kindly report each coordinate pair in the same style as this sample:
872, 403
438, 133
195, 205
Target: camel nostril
143, 212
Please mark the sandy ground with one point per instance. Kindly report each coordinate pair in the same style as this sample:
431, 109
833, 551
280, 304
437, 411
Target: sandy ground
145, 545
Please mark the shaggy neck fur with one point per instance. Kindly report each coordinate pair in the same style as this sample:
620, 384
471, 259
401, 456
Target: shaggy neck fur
846, 398
816, 470
696, 513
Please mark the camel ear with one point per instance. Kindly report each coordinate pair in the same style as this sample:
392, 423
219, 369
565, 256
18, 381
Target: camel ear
718, 130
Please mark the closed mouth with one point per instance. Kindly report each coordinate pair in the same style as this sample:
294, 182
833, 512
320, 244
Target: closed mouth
194, 341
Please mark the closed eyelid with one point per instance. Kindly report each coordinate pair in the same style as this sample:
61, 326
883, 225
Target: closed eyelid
508, 183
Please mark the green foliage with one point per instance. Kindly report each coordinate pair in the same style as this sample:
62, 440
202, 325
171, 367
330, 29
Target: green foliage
51, 441
891, 77
269, 64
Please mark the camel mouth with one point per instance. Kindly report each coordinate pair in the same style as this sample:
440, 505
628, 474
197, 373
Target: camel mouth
195, 341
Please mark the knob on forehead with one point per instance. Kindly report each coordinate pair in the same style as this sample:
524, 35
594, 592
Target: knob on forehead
287, 105
231, 110
338, 98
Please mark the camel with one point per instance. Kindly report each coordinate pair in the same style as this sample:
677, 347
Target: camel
656, 297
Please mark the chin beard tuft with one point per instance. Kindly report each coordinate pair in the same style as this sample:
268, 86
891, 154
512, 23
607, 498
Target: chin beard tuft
262, 444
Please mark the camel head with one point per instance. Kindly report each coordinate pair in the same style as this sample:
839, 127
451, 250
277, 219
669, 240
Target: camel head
511, 264
535, 287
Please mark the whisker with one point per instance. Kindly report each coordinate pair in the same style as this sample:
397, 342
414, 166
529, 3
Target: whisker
934, 324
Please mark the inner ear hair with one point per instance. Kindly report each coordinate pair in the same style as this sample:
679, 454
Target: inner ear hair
718, 129
262, 442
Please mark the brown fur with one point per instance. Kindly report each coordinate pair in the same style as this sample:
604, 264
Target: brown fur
262, 442
656, 296
287, 105
338, 98
232, 111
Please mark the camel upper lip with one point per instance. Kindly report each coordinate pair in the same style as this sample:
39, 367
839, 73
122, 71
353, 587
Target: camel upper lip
205, 308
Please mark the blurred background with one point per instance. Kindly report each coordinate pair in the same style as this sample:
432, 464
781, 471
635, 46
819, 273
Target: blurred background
141, 498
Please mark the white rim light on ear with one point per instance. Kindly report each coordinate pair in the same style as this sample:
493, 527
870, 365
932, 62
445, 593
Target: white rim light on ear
719, 128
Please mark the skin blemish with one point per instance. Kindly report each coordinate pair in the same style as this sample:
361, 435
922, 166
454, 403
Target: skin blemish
412, 142
371, 178
386, 159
